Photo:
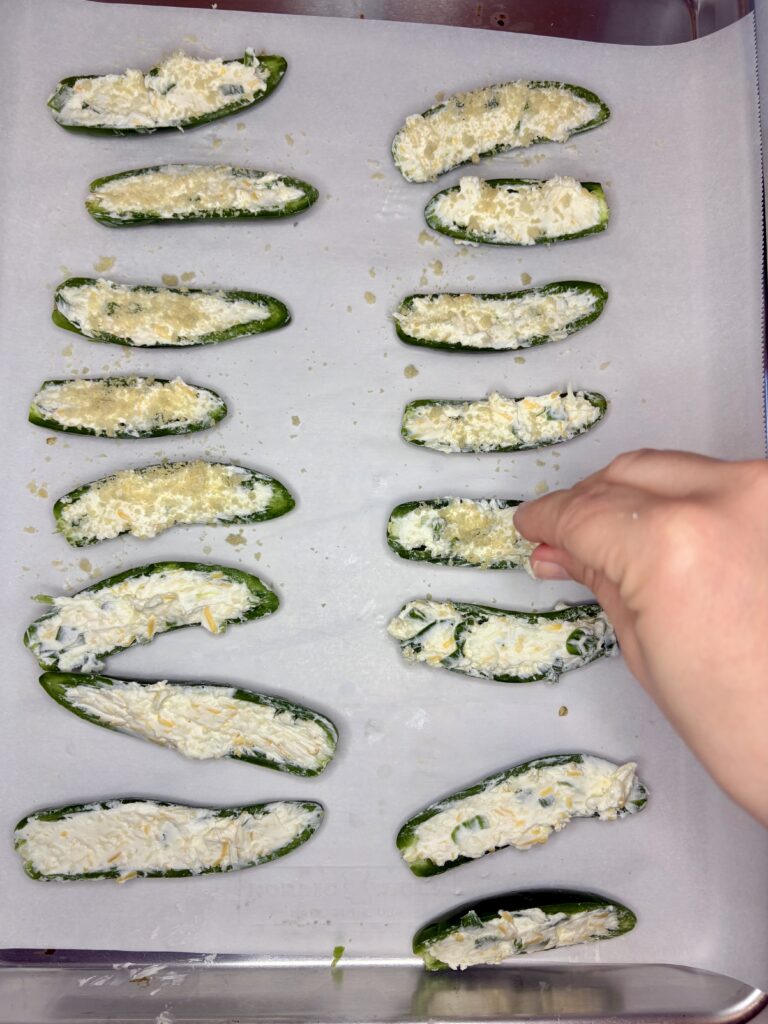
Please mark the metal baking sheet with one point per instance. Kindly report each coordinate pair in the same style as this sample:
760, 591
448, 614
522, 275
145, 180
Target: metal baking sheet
678, 352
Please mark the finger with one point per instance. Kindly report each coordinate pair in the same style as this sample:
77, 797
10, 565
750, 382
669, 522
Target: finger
665, 472
599, 524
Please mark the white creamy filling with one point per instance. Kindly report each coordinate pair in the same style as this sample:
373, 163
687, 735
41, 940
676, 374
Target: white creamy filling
511, 115
88, 625
140, 405
138, 837
184, 87
524, 810
500, 645
481, 532
144, 502
204, 721
522, 931
499, 422
162, 317
519, 214
494, 323
177, 190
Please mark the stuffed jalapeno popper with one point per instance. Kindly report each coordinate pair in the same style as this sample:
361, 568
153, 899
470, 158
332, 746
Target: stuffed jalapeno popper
499, 423
145, 502
502, 644
482, 122
180, 93
146, 316
518, 211
131, 838
491, 930
520, 807
169, 193
500, 322
133, 607
125, 407
202, 720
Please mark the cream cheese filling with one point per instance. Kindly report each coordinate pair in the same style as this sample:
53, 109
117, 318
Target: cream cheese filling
519, 214
511, 115
494, 323
135, 407
144, 502
161, 317
85, 627
522, 931
204, 722
481, 532
498, 645
177, 190
142, 836
498, 422
524, 810
182, 88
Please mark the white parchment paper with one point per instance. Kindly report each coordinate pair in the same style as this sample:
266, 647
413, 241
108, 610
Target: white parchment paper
678, 352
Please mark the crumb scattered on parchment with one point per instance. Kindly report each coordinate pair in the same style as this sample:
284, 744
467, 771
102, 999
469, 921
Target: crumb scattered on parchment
410, 371
289, 139
236, 539
370, 298
104, 263
439, 96
562, 711
51, 440
240, 126
526, 278
436, 266
188, 275
349, 309
85, 565
540, 462
541, 487
377, 176
604, 366
295, 421
207, 549
425, 238
257, 556
371, 272
171, 280
67, 351
190, 39
519, 359
40, 491
30, 529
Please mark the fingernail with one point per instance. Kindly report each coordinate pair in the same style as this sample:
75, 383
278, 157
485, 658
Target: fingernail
549, 571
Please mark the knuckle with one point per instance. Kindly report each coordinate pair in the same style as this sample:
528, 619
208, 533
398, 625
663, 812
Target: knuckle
618, 467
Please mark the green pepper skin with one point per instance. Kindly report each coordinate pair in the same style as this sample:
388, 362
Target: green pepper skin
474, 236
265, 601
279, 316
420, 554
191, 427
275, 64
550, 901
585, 94
132, 220
426, 867
600, 294
57, 685
281, 502
594, 398
60, 813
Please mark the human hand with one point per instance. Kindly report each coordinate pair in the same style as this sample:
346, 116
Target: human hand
674, 546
